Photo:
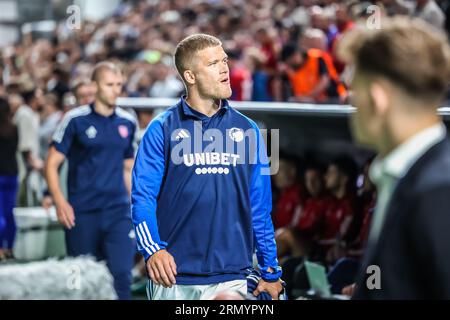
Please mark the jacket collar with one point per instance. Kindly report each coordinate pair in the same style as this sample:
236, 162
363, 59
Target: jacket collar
190, 112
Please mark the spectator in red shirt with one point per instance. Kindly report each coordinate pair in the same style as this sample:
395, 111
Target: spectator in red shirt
268, 47
314, 204
240, 77
356, 248
366, 205
296, 240
289, 192
345, 270
340, 181
343, 23
265, 37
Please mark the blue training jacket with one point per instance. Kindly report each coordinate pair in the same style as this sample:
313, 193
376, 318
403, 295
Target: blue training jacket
199, 191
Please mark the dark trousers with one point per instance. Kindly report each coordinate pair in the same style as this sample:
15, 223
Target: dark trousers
8, 192
107, 235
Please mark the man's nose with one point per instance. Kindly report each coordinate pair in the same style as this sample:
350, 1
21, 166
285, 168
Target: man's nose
224, 68
117, 90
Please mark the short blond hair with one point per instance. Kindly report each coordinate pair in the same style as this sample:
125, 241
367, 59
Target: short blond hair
410, 53
189, 46
103, 66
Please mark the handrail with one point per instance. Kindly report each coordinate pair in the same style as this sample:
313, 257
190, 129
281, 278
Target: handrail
336, 110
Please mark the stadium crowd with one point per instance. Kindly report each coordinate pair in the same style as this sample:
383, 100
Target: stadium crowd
278, 51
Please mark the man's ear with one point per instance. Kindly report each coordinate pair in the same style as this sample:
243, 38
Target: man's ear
380, 98
189, 76
95, 86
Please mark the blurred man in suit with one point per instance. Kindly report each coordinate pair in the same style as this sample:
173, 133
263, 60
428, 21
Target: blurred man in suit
400, 76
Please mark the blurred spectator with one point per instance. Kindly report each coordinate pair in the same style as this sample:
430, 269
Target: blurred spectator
445, 6
26, 118
359, 230
287, 184
58, 83
397, 7
51, 115
69, 101
429, 11
267, 45
297, 240
144, 117
340, 181
344, 23
84, 91
322, 19
260, 77
313, 39
240, 77
8, 179
140, 84
311, 74
166, 84
316, 201
343, 274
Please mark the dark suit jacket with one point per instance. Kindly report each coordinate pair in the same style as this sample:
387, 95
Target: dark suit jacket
413, 248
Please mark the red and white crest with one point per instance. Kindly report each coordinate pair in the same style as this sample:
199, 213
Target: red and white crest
123, 131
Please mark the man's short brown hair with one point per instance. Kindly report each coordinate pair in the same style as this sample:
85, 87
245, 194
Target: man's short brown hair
189, 46
409, 52
100, 67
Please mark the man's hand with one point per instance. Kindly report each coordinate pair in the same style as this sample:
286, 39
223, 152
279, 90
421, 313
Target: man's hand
36, 163
272, 288
65, 213
47, 202
162, 268
349, 290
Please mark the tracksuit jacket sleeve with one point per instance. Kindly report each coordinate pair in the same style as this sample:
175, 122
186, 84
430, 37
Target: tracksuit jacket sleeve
261, 207
147, 176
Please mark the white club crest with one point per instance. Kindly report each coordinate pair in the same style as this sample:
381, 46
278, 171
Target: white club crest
91, 132
236, 134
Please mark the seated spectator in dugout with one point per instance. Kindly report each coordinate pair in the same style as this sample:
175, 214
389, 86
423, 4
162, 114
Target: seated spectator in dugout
358, 233
340, 182
296, 241
289, 192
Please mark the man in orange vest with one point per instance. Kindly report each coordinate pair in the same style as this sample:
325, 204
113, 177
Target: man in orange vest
311, 75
